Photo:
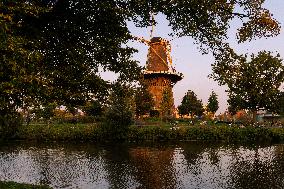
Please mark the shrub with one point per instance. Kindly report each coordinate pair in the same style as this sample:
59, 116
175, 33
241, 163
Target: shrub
119, 114
9, 125
154, 113
7, 185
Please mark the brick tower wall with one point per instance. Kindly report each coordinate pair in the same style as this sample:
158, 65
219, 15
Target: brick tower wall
157, 61
156, 87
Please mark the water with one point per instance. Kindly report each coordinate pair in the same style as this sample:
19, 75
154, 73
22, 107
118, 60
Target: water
182, 165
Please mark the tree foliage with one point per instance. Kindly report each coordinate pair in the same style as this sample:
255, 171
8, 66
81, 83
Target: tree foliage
167, 104
46, 112
53, 50
279, 105
93, 108
144, 102
120, 112
254, 84
213, 104
208, 21
191, 105
18, 59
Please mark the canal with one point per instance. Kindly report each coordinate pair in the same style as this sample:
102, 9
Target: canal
181, 165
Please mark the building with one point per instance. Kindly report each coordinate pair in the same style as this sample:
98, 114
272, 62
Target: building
160, 74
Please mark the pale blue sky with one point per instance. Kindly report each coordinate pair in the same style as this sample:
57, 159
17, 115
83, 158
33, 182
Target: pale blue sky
195, 66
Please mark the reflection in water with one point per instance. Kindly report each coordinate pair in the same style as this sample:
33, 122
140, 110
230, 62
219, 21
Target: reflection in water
258, 168
154, 167
119, 169
183, 165
55, 166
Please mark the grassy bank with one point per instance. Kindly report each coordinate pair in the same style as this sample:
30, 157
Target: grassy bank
93, 132
14, 185
212, 133
59, 132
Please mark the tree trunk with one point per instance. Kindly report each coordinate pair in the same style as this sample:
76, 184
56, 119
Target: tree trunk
254, 112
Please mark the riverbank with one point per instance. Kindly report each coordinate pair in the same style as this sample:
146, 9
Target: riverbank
14, 185
93, 132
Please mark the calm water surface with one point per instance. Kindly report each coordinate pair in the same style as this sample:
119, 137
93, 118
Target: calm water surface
182, 165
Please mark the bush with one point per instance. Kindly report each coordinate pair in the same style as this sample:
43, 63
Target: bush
11, 185
9, 125
204, 133
59, 132
120, 113
95, 132
75, 119
154, 113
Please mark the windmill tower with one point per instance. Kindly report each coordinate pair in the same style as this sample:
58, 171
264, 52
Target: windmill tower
160, 75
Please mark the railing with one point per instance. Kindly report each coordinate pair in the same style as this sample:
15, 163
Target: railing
162, 72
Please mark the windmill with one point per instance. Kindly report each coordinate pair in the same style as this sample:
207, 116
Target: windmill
159, 73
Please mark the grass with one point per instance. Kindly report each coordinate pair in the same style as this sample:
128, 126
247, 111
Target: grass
152, 132
14, 185
55, 132
208, 133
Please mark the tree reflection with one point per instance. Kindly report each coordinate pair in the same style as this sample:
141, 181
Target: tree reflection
194, 151
184, 165
139, 167
258, 168
154, 167
117, 164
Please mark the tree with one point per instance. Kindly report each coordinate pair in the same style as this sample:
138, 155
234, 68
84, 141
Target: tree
52, 50
143, 100
120, 112
93, 108
190, 105
199, 110
213, 104
279, 105
182, 110
46, 111
255, 84
20, 86
185, 103
167, 104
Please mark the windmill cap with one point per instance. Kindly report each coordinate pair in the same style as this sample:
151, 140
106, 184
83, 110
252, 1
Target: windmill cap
156, 39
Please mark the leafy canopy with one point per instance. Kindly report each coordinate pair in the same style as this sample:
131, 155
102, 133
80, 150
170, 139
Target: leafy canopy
167, 104
144, 102
255, 83
53, 50
213, 104
120, 112
190, 105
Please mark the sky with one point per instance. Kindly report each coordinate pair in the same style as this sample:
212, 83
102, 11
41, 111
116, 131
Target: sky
195, 66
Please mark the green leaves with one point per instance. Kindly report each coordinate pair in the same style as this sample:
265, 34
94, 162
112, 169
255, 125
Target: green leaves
190, 105
260, 24
19, 57
255, 84
119, 114
52, 51
213, 104
144, 102
167, 103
